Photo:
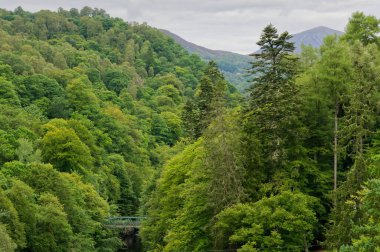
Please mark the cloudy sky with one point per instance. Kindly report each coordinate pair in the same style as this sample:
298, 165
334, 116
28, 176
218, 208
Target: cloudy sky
231, 25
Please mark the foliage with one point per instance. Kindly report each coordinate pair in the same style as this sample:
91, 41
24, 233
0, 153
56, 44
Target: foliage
95, 99
210, 98
6, 243
283, 222
363, 28
262, 177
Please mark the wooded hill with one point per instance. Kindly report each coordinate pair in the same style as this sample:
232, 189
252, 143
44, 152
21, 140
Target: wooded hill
90, 109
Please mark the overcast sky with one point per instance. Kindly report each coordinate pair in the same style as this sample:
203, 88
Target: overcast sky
231, 25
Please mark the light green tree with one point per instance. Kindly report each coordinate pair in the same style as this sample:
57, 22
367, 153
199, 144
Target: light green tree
362, 28
6, 242
64, 149
283, 222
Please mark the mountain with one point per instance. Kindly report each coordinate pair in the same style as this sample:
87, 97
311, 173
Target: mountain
313, 37
234, 65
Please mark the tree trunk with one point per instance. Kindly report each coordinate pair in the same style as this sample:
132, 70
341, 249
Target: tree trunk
335, 149
306, 247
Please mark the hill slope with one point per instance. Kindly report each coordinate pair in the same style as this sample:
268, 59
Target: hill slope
232, 65
90, 106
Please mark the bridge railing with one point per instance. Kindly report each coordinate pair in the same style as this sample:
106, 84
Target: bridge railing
124, 222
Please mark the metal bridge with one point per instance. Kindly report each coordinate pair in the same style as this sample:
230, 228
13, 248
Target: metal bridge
124, 222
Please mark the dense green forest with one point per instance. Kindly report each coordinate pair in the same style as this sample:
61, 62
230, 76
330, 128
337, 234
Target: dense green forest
91, 107
101, 118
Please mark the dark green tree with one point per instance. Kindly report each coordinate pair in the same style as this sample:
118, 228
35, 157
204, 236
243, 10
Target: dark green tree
190, 118
272, 116
210, 99
116, 80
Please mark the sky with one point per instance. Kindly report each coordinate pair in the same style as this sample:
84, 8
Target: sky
230, 25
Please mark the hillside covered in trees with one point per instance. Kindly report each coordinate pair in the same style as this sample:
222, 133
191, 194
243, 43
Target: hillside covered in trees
91, 107
101, 118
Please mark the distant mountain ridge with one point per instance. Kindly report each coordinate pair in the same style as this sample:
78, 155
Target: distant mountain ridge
234, 65
194, 48
313, 37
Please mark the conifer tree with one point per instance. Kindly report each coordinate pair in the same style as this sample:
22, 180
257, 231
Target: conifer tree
272, 113
208, 103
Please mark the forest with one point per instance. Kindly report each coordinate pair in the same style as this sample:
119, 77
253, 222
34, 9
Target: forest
100, 117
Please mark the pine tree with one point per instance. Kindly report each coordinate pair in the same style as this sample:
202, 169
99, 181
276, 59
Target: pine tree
208, 103
190, 118
272, 114
274, 62
211, 96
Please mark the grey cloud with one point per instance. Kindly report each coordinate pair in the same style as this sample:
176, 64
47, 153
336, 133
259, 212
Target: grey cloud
232, 25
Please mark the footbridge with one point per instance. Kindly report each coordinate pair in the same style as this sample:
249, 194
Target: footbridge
123, 222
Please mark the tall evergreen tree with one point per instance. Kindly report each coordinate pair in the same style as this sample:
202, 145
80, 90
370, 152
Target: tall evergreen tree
209, 101
272, 113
